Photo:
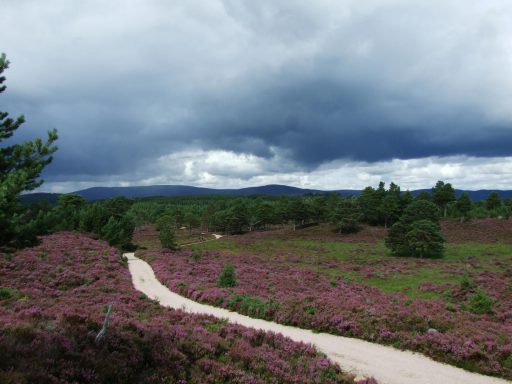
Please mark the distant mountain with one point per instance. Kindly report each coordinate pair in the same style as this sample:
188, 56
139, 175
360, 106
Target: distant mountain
478, 195
100, 193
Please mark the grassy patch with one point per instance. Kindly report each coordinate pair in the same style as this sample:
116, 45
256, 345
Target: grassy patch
223, 245
410, 284
483, 252
309, 254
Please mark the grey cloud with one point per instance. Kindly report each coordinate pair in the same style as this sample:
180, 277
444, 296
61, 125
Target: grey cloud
316, 81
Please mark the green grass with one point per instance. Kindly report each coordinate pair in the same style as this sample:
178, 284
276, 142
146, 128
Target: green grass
483, 252
409, 284
218, 245
339, 250
306, 248
482, 257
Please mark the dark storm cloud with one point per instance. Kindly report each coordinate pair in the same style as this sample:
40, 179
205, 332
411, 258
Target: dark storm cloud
318, 121
129, 83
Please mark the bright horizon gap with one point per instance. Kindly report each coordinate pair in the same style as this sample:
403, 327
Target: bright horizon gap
229, 170
256, 186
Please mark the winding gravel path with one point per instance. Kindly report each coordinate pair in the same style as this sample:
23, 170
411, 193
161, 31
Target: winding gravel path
386, 364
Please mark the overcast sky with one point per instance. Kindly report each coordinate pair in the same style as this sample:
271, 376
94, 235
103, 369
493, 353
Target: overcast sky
327, 94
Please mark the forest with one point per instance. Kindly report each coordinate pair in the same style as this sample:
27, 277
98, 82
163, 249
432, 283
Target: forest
115, 219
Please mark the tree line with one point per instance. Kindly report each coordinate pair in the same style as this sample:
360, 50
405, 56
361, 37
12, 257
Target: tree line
114, 219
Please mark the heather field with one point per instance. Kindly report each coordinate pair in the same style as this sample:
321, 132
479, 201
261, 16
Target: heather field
457, 309
53, 300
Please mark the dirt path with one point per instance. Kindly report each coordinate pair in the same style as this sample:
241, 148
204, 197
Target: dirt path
386, 364
216, 237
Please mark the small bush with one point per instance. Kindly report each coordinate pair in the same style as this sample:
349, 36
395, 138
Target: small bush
465, 283
480, 302
508, 362
180, 285
8, 256
227, 277
197, 254
124, 260
5, 293
310, 310
252, 306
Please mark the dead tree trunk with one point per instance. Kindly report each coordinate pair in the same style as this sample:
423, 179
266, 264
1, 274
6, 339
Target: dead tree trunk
103, 330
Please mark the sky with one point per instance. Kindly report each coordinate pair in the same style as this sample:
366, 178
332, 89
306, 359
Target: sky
324, 94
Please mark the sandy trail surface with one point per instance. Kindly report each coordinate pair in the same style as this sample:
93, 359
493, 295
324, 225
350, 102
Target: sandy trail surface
386, 364
215, 237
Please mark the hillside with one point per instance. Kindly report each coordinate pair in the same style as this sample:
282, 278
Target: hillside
100, 193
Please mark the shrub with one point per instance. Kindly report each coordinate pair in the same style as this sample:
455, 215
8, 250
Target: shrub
507, 363
465, 283
227, 277
480, 302
252, 306
124, 260
197, 254
5, 293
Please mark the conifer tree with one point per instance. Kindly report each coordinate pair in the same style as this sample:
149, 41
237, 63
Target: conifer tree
493, 201
20, 167
463, 205
443, 194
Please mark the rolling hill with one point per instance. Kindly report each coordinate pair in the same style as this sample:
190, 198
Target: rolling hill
100, 193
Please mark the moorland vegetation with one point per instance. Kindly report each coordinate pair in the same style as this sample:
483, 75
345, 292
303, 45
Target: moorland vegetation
429, 273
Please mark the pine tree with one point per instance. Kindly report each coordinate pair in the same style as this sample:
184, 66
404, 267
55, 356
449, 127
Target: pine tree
390, 209
167, 238
463, 205
369, 201
20, 167
442, 194
347, 216
417, 233
493, 201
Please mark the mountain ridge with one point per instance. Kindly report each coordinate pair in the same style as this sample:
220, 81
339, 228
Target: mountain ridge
100, 193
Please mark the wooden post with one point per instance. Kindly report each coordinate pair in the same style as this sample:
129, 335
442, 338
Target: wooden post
103, 330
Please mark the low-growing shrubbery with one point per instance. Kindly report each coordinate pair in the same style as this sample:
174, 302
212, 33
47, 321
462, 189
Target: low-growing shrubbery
48, 334
471, 332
